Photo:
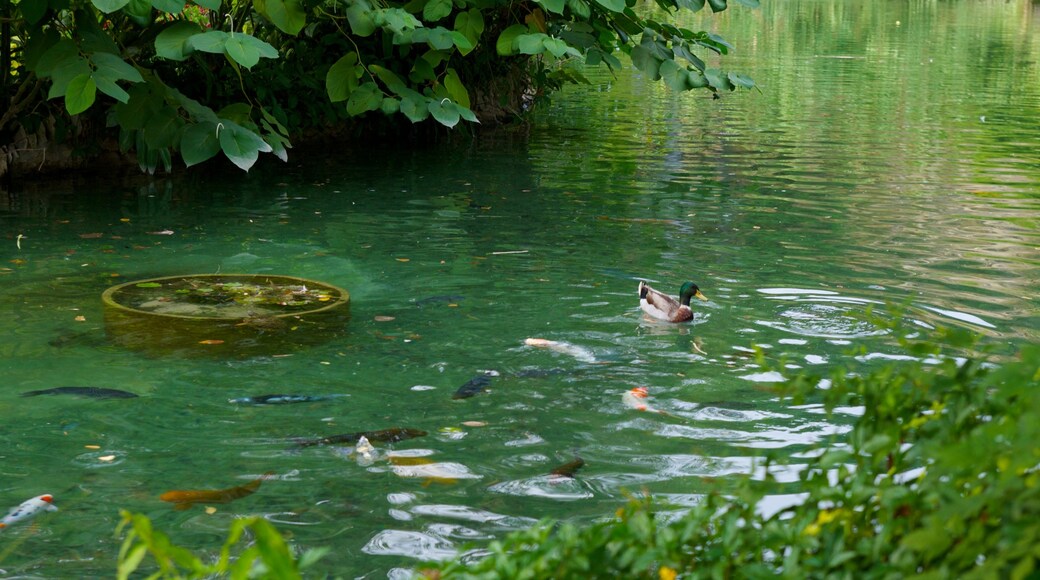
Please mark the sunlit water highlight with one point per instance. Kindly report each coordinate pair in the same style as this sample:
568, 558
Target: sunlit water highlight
797, 210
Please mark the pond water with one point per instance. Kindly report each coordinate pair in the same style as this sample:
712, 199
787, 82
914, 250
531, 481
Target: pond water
891, 157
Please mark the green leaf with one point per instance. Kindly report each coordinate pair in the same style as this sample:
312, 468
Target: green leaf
612, 5
436, 10
741, 80
366, 98
461, 42
455, 88
33, 10
697, 79
580, 8
162, 128
169, 6
390, 106
114, 68
199, 143
80, 94
140, 12
445, 112
240, 113
391, 80
675, 76
717, 5
241, 52
240, 145
212, 41
341, 80
110, 88
467, 114
62, 63
692, 5
507, 44
173, 42
209, 4
148, 285
360, 19
645, 61
554, 6
717, 79
246, 49
471, 25
441, 38
414, 106
531, 43
558, 47
288, 15
109, 6
135, 113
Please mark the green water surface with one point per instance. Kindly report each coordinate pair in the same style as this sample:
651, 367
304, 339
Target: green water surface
891, 157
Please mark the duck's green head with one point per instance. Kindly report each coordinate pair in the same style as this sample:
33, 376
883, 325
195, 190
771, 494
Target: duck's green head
690, 290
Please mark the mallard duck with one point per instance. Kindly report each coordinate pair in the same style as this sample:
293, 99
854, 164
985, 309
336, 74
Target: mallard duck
663, 307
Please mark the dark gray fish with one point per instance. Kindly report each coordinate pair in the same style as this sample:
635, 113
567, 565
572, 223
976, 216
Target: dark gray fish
568, 469
282, 399
474, 386
391, 435
448, 298
92, 392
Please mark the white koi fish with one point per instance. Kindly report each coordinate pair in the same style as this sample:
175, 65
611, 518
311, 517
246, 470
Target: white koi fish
28, 509
365, 453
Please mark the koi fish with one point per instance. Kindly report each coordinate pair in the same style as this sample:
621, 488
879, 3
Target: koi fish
475, 386
579, 352
431, 471
28, 509
447, 298
568, 469
282, 399
636, 399
391, 435
92, 392
183, 500
364, 452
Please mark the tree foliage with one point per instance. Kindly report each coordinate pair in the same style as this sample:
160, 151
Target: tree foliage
241, 77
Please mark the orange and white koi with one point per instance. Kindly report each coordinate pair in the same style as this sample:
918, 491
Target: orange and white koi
28, 509
636, 399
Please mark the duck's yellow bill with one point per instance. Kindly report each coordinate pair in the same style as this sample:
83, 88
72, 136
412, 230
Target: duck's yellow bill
701, 296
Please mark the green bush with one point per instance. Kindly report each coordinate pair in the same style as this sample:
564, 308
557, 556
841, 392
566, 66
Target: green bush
939, 478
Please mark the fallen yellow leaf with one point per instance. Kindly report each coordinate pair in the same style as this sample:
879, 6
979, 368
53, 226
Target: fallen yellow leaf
211, 341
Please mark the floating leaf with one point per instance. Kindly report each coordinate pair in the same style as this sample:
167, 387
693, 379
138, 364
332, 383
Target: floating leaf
148, 285
211, 341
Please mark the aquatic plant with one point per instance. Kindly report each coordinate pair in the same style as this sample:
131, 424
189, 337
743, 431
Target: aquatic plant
266, 554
